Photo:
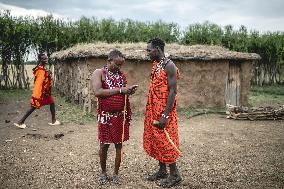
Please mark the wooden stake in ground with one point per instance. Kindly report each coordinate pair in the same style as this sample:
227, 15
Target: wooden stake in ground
155, 122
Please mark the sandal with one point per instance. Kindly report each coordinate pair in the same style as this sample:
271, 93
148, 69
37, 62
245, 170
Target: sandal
116, 180
103, 180
157, 176
172, 180
55, 123
22, 125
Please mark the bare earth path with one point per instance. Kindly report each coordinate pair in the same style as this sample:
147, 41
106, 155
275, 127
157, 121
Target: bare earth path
217, 153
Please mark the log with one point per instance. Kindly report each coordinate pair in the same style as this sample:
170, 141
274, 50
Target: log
259, 113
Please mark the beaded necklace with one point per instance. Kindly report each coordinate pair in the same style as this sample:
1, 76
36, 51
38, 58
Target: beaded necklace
160, 66
113, 79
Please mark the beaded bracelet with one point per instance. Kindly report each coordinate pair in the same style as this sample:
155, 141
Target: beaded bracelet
163, 115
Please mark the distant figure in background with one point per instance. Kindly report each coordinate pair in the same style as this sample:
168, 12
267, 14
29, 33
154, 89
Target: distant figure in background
114, 113
41, 95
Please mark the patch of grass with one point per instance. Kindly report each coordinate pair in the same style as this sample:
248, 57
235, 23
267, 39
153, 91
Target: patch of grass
15, 94
269, 90
191, 112
68, 112
186, 111
266, 95
278, 176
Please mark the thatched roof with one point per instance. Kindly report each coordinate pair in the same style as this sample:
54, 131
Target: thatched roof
137, 51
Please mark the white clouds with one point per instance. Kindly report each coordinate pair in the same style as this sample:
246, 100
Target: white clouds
266, 24
251, 21
18, 11
254, 14
185, 9
156, 7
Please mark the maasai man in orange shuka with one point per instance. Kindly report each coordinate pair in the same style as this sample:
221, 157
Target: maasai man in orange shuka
41, 95
114, 113
161, 107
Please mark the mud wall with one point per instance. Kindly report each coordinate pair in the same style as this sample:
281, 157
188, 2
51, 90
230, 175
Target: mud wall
202, 83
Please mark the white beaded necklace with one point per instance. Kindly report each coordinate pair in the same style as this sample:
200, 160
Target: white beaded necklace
112, 77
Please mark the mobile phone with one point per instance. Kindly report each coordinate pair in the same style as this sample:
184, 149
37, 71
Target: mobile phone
134, 88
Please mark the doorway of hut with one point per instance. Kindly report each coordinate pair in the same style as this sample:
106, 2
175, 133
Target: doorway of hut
233, 88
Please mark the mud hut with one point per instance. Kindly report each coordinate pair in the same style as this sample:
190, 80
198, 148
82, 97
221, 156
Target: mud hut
210, 75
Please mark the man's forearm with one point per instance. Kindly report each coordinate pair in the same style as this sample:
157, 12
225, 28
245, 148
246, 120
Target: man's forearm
108, 92
170, 102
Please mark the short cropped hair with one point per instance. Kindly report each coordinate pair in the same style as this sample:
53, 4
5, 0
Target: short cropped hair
40, 55
157, 42
115, 54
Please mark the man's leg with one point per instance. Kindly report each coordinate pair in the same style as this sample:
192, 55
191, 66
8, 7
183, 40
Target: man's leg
163, 167
160, 174
52, 111
174, 178
173, 169
22, 121
103, 157
117, 158
115, 178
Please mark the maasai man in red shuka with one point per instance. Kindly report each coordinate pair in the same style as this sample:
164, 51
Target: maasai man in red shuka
41, 95
161, 107
109, 85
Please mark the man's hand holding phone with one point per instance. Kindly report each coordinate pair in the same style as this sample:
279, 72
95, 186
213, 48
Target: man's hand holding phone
133, 89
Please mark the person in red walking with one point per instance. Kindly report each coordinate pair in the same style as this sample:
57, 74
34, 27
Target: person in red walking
113, 111
41, 95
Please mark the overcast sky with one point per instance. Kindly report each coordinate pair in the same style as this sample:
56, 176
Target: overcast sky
261, 15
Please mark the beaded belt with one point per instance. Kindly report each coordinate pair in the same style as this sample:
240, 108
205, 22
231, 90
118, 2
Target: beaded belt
104, 117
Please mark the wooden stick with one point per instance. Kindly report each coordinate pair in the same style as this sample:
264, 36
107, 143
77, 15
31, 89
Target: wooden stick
123, 125
155, 122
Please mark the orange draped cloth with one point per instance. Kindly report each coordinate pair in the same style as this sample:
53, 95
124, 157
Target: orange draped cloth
42, 88
155, 141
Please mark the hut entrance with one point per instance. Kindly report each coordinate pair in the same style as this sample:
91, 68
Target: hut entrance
233, 84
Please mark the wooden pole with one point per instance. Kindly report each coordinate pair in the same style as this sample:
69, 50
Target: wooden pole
123, 125
155, 122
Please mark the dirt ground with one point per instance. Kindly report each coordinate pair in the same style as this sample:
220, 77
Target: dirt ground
217, 153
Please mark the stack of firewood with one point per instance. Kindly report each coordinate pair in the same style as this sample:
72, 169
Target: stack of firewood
260, 113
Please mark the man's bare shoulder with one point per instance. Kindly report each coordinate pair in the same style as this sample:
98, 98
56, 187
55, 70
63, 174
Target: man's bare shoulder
97, 72
170, 65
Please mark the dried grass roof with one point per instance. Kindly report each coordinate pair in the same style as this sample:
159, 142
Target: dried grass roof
136, 51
